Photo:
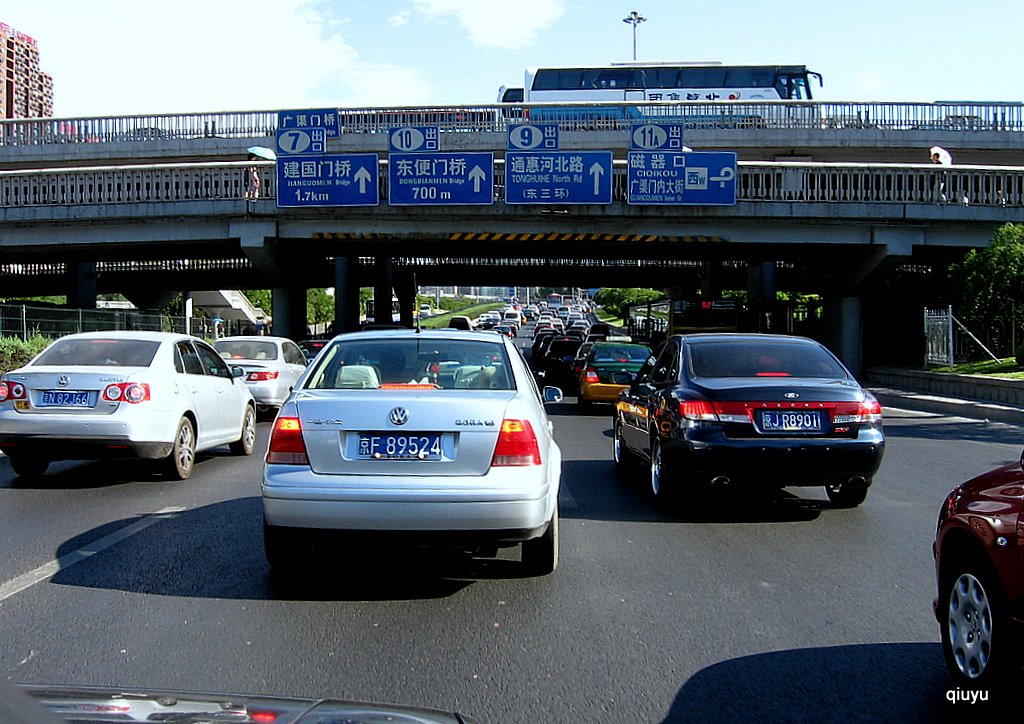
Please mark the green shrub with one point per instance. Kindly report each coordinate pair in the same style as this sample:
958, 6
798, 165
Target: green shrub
15, 352
1020, 355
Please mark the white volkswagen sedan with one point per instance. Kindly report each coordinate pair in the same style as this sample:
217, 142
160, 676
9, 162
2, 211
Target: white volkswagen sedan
432, 437
98, 395
272, 366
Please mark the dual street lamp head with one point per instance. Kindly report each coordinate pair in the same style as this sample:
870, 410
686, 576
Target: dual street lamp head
634, 19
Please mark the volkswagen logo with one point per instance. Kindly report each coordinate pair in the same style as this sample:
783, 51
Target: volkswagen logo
398, 416
791, 395
64, 380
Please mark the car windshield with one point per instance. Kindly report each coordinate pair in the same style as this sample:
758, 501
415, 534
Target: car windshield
246, 349
763, 358
621, 353
99, 352
401, 363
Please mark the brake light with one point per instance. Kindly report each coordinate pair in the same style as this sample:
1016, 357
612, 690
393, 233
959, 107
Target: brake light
517, 445
869, 411
132, 392
286, 444
697, 411
12, 391
591, 377
262, 376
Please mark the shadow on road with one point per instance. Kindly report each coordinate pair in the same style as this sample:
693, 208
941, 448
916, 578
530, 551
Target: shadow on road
216, 551
904, 682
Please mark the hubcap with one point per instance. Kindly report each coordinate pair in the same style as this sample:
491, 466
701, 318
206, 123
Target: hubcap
970, 626
185, 454
250, 430
617, 444
655, 468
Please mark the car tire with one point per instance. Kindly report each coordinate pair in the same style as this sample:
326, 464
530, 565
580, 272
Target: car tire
624, 459
540, 555
660, 486
29, 468
287, 549
842, 495
972, 609
183, 455
245, 444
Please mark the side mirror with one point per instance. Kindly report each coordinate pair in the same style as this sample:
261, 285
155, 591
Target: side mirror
237, 371
552, 394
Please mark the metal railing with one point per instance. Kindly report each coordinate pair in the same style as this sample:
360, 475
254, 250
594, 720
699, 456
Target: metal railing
23, 321
823, 116
830, 183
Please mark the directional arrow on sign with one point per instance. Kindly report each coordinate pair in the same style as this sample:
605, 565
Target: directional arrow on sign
477, 176
362, 178
597, 171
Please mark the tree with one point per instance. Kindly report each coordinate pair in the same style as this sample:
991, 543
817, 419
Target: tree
988, 286
319, 306
617, 301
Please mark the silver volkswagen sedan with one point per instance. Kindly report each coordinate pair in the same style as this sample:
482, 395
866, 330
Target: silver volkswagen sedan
152, 395
432, 438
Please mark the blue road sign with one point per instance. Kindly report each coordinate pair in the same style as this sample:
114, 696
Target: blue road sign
558, 177
414, 139
656, 137
693, 178
533, 137
325, 118
440, 179
350, 179
301, 141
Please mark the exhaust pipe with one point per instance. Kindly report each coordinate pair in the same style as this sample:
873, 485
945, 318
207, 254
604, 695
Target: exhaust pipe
857, 481
720, 480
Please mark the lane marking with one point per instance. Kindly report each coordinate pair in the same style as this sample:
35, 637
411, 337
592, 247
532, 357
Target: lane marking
27, 580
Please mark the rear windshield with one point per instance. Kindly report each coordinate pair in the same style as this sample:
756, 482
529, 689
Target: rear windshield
621, 353
783, 358
397, 363
100, 352
239, 349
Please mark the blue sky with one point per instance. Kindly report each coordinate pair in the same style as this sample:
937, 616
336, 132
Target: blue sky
112, 57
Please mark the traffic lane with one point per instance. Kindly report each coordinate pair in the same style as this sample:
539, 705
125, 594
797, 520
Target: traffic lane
649, 614
76, 502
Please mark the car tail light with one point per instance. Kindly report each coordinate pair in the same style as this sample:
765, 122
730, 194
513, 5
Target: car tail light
132, 392
867, 412
286, 444
591, 377
262, 376
697, 411
517, 445
12, 391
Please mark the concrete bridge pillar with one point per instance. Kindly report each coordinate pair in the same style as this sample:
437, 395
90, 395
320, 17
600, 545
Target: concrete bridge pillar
844, 330
346, 294
405, 290
383, 289
289, 312
81, 285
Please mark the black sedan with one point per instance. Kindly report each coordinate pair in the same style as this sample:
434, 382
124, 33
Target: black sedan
761, 410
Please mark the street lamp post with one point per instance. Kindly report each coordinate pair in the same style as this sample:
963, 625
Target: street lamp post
634, 19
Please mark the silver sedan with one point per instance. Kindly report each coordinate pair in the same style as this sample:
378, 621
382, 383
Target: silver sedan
436, 437
272, 365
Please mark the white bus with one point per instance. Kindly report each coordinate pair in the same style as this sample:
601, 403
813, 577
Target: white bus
655, 82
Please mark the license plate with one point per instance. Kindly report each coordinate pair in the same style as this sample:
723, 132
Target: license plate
64, 398
399, 447
790, 421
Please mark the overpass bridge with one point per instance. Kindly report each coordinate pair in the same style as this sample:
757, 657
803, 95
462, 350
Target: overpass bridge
74, 219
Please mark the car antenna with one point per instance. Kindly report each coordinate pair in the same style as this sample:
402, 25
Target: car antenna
416, 302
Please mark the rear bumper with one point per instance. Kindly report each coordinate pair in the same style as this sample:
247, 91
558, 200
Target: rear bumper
83, 448
777, 461
601, 392
415, 509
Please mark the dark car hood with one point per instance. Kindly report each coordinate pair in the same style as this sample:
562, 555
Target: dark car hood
62, 704
779, 389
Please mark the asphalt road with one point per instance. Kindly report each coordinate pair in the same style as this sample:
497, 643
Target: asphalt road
773, 607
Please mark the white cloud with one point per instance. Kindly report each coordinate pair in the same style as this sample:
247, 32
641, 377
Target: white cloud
868, 82
498, 23
400, 19
383, 85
